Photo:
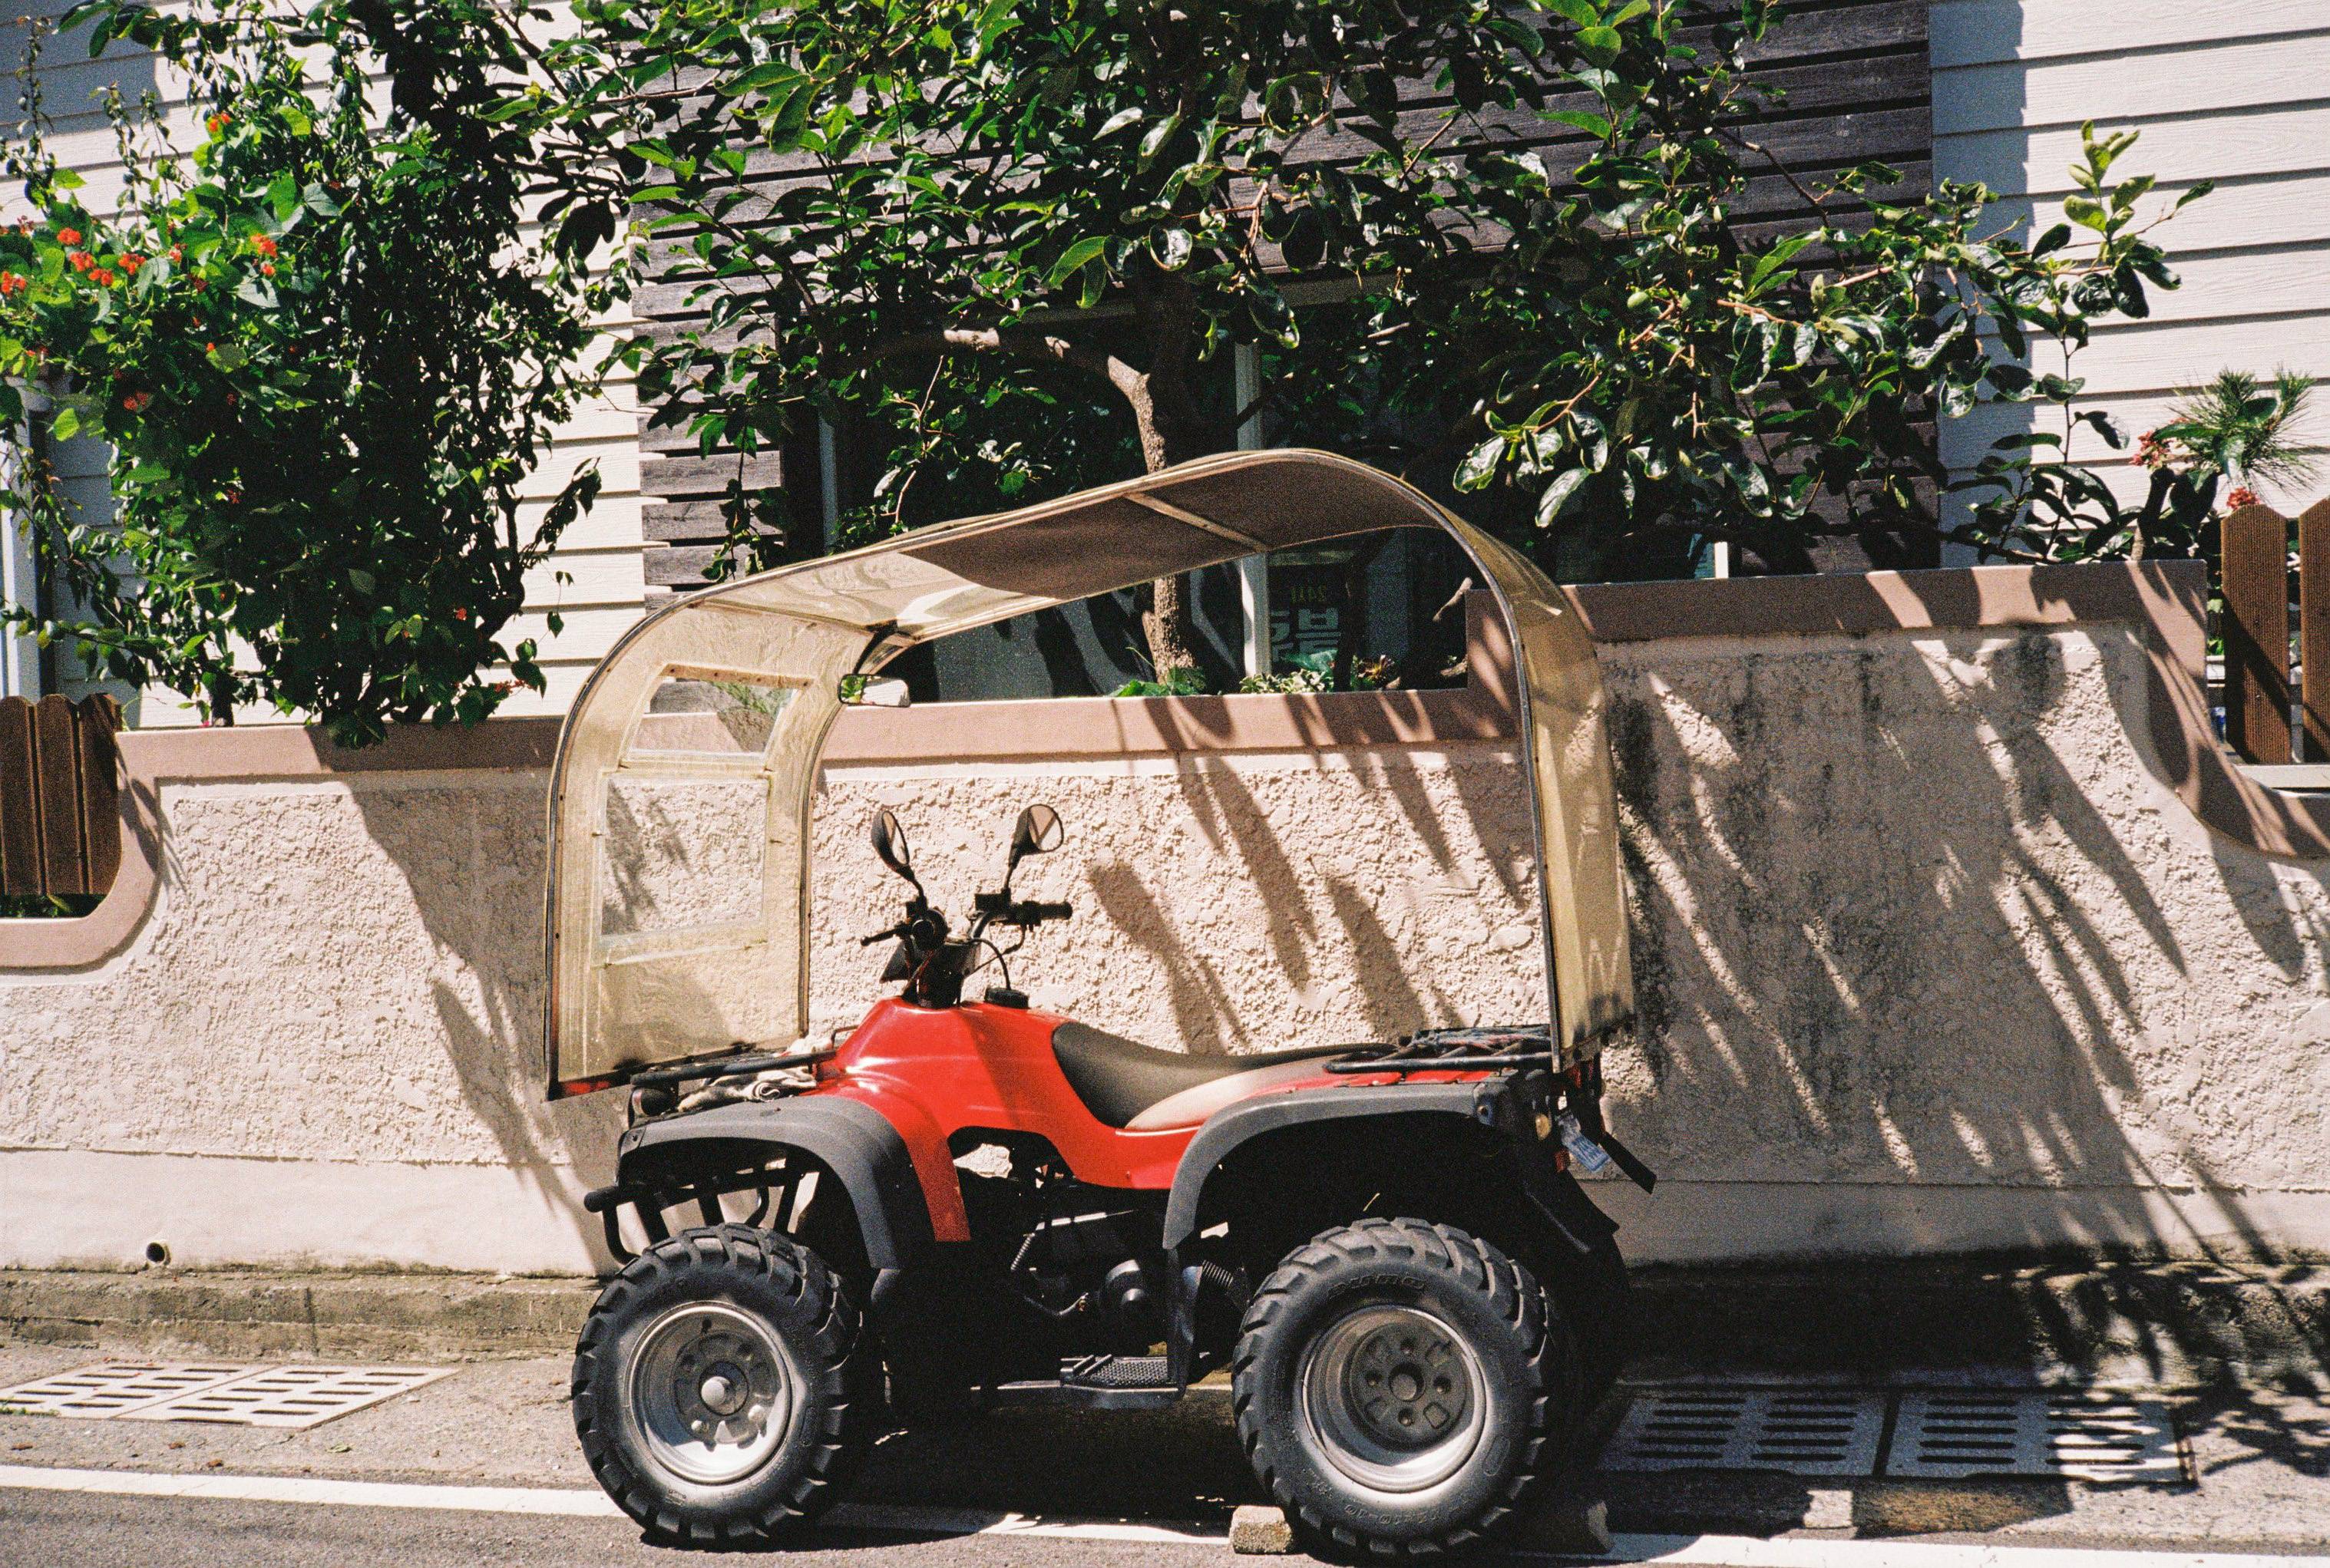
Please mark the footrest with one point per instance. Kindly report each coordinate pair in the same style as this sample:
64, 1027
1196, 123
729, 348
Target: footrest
1115, 1372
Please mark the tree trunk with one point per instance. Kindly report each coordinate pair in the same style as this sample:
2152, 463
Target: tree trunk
1172, 430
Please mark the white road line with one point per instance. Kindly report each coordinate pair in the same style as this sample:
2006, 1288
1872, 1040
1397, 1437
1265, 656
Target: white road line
1799, 1552
570, 1501
1683, 1551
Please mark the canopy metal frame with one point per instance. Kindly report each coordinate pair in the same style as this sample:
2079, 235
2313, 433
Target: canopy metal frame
620, 1001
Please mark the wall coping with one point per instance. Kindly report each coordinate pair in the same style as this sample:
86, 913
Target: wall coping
2165, 602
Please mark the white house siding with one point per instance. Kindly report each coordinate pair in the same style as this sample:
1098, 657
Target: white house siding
2234, 91
600, 554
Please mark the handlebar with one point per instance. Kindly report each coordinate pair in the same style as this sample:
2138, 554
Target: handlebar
1031, 912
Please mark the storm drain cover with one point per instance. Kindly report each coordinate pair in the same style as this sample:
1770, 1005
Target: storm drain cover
2075, 1434
1801, 1432
303, 1394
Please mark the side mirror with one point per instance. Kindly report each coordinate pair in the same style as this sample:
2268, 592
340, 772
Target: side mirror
890, 845
1038, 833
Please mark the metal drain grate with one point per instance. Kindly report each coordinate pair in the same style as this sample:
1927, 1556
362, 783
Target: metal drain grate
2079, 1436
116, 1388
1801, 1432
302, 1395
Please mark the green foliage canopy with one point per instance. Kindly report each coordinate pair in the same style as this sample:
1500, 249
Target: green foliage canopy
872, 205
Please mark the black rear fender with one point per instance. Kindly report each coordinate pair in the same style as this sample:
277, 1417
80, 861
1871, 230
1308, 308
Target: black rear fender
1278, 1169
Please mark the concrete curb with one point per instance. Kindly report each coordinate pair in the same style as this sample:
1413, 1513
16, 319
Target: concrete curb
384, 1316
2163, 1323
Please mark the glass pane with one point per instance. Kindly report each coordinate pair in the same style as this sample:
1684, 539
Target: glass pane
716, 716
681, 853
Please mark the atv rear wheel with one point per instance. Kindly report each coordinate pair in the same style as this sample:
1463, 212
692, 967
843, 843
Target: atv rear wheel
718, 1390
1397, 1384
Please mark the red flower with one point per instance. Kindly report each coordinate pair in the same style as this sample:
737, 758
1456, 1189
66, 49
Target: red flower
177, 254
262, 244
68, 236
104, 276
233, 496
2241, 497
136, 402
14, 283
82, 260
460, 613
218, 122
267, 268
195, 284
131, 262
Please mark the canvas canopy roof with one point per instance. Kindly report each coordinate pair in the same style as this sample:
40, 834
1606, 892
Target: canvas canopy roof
708, 720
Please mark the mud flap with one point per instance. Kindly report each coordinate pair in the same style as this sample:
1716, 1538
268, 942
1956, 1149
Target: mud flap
1555, 1194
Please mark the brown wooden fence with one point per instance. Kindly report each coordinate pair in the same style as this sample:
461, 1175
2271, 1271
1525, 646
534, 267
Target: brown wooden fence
60, 797
2261, 688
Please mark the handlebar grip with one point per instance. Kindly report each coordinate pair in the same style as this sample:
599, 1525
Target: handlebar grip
879, 937
1051, 912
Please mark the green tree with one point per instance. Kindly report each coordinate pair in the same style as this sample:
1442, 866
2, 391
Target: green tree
913, 217
325, 350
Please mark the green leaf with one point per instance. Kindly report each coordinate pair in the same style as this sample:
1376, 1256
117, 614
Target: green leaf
1585, 13
1078, 256
1593, 125
1119, 120
1558, 495
66, 425
1172, 248
1602, 45
1479, 464
1153, 140
762, 78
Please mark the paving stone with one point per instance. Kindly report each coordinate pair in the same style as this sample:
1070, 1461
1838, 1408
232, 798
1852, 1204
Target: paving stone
1260, 1532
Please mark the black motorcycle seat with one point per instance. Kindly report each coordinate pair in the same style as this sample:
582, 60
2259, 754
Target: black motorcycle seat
1118, 1078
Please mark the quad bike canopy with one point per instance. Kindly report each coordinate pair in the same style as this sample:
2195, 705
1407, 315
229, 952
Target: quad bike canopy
704, 726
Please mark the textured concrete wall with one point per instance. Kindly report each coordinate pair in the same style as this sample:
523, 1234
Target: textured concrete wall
1930, 958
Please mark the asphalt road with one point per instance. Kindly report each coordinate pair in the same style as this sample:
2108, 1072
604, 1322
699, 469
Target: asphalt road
83, 1530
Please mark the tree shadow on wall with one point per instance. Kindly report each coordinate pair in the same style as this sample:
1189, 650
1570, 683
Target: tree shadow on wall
472, 854
1921, 924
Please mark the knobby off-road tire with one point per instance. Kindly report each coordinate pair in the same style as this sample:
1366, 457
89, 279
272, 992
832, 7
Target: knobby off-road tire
718, 1390
1595, 1297
1400, 1388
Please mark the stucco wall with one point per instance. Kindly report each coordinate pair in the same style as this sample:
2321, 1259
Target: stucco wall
1932, 951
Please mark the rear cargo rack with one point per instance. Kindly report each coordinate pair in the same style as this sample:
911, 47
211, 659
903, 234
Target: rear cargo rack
1453, 1049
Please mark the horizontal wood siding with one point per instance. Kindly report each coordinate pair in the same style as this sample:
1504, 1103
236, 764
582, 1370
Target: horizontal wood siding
2237, 92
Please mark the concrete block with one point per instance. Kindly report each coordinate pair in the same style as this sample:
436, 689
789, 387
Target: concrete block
1570, 1523
1259, 1532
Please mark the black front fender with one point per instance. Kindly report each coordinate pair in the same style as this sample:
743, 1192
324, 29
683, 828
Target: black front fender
854, 1142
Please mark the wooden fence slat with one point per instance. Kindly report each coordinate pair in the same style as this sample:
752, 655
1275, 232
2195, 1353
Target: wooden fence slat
2257, 634
97, 718
19, 813
56, 756
2314, 628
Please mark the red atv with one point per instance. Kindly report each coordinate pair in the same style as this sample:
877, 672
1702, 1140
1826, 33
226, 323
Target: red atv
1381, 1244
968, 1202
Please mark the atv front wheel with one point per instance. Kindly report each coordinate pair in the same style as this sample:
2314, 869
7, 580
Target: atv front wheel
716, 1389
1397, 1385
